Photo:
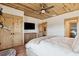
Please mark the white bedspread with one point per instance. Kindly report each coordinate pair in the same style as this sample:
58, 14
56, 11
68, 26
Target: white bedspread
52, 47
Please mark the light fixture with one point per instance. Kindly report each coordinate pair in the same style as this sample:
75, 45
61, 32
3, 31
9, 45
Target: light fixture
1, 23
43, 11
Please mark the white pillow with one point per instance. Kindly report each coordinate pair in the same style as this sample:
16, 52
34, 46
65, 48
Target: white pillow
75, 45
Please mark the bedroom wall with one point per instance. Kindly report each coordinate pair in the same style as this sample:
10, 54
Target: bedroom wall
32, 20
12, 11
55, 25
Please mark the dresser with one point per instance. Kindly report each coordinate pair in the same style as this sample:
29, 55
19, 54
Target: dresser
29, 36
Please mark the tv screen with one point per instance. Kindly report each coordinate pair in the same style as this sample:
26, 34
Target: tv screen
29, 26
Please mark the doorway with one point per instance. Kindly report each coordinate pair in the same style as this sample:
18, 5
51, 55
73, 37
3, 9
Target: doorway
71, 27
43, 29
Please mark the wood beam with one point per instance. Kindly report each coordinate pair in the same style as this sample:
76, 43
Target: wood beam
66, 8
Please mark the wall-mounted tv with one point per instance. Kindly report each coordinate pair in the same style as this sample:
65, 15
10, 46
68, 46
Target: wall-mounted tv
29, 26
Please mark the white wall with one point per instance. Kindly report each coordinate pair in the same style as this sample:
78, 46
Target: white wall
55, 25
12, 11
32, 20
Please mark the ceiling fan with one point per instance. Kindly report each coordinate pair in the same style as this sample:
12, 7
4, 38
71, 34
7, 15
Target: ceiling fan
44, 8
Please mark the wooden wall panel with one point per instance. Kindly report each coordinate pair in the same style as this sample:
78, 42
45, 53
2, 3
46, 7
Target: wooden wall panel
12, 33
18, 31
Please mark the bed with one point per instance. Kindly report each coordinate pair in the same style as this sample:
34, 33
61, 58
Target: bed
53, 46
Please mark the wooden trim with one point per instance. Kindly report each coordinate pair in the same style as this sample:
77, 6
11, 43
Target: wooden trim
30, 11
67, 26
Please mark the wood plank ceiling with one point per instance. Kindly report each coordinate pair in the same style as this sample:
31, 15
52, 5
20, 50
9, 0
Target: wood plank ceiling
58, 9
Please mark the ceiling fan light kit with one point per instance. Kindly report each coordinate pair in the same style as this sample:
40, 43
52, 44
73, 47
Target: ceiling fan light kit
43, 11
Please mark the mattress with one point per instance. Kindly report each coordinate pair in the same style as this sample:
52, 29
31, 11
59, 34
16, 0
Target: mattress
47, 48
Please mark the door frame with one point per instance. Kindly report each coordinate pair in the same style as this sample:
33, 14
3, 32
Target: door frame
67, 26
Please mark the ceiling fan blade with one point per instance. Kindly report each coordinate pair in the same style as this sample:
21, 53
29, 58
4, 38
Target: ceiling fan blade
49, 7
47, 11
42, 5
37, 12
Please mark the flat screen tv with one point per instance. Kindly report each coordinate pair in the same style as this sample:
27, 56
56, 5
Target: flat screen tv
29, 26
